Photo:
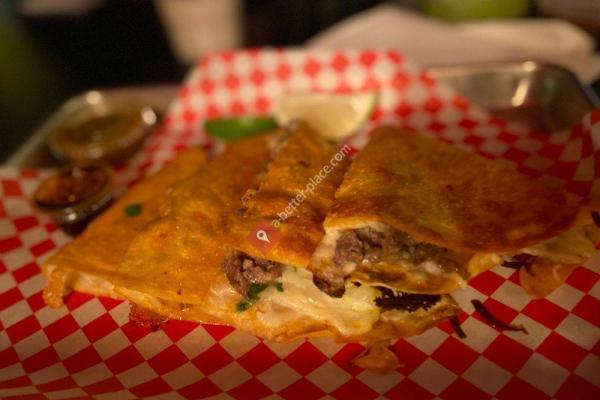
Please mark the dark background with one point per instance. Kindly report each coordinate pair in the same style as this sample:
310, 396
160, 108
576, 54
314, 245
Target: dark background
46, 60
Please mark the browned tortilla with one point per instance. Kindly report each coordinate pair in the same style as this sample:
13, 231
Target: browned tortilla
178, 256
95, 254
294, 197
557, 257
479, 210
447, 196
173, 265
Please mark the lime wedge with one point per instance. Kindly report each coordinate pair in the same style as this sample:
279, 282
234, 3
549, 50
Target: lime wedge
334, 116
463, 10
235, 128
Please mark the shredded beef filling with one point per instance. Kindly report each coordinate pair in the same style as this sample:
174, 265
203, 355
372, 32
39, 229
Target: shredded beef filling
370, 246
328, 287
367, 245
243, 270
390, 300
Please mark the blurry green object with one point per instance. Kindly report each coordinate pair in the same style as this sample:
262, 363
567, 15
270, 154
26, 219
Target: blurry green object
239, 127
31, 80
463, 10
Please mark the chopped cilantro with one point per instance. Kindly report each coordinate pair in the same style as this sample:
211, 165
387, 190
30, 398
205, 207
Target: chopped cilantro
255, 289
243, 305
253, 296
133, 210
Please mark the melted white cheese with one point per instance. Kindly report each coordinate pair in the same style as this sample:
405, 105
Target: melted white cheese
352, 314
431, 267
327, 246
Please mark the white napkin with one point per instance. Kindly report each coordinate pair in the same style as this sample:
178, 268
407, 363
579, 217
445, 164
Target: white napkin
430, 41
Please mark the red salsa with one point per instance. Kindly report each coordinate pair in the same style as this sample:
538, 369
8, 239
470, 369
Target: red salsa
71, 186
75, 195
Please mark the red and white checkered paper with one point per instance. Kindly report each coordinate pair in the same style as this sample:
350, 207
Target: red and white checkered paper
88, 349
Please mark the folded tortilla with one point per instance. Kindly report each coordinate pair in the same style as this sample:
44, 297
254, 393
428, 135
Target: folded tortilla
288, 207
552, 261
174, 265
89, 262
417, 215
178, 257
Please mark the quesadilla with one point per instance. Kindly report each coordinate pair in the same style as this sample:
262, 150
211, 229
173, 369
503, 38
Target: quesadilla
176, 266
417, 215
288, 208
89, 262
173, 267
173, 258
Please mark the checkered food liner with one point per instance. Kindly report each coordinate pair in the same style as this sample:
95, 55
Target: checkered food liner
89, 349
